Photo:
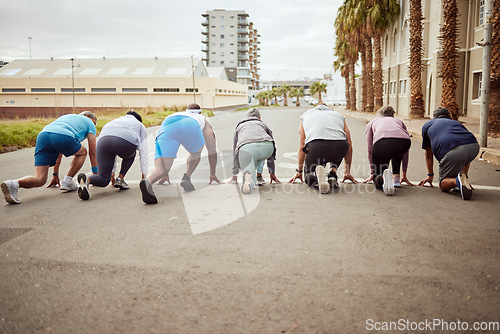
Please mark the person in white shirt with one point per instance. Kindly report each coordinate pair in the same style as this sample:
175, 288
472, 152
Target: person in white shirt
121, 137
323, 138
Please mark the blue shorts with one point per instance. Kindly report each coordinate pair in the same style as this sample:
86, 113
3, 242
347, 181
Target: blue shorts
177, 130
49, 145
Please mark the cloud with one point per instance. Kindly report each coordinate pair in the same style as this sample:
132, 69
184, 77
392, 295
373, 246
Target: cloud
294, 34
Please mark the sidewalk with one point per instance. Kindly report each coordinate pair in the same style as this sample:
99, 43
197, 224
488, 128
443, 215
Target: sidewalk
490, 154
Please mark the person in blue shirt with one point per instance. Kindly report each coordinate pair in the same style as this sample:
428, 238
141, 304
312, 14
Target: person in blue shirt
454, 147
63, 136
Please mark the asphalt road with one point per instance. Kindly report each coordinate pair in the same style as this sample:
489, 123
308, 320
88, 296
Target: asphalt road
283, 259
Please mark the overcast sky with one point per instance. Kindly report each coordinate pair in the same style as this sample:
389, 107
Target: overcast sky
297, 36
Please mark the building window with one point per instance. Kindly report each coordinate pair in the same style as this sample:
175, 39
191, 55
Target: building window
213, 53
395, 41
222, 18
70, 90
231, 27
231, 17
190, 90
221, 45
481, 12
213, 27
402, 87
213, 35
213, 61
166, 90
43, 90
13, 90
222, 54
221, 27
476, 85
222, 62
134, 90
103, 90
221, 36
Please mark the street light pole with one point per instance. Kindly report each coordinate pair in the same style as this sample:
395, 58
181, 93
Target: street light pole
485, 84
73, 81
29, 41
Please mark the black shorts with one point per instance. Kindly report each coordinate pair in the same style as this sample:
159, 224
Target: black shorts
321, 152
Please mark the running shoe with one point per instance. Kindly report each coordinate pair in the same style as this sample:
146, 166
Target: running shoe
260, 180
333, 179
388, 185
246, 183
397, 181
464, 186
120, 183
10, 192
83, 186
186, 183
148, 196
323, 185
69, 186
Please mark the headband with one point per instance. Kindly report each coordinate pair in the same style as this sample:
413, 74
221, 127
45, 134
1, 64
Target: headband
198, 111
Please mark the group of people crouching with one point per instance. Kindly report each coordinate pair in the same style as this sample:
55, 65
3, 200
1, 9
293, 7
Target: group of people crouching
324, 140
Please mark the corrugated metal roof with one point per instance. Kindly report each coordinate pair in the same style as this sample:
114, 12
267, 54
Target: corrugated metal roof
104, 67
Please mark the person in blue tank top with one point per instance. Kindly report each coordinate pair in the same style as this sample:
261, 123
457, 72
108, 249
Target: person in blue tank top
454, 147
63, 136
191, 130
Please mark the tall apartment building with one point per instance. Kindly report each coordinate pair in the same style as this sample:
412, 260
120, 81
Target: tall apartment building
230, 40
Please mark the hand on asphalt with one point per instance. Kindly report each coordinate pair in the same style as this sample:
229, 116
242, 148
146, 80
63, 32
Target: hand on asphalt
274, 178
350, 178
427, 179
164, 179
297, 176
234, 180
214, 178
54, 183
368, 179
405, 180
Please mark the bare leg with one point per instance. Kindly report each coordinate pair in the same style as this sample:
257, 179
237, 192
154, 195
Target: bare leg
447, 184
161, 168
192, 162
36, 181
77, 162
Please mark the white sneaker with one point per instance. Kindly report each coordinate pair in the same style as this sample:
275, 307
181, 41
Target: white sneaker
397, 181
388, 183
10, 192
70, 186
245, 185
120, 183
83, 189
323, 185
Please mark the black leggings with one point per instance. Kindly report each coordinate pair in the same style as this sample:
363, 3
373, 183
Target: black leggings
386, 150
321, 152
108, 148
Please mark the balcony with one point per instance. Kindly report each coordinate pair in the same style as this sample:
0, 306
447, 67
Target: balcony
243, 64
242, 31
204, 48
242, 40
204, 23
243, 57
204, 40
204, 32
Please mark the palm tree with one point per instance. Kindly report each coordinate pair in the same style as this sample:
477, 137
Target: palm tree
284, 90
417, 106
448, 57
341, 66
261, 96
318, 88
267, 97
274, 93
494, 117
383, 14
298, 93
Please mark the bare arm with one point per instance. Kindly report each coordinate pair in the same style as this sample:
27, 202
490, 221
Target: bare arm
91, 140
55, 178
429, 162
348, 156
301, 155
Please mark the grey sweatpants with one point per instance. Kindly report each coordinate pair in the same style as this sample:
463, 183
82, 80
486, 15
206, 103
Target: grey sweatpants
451, 164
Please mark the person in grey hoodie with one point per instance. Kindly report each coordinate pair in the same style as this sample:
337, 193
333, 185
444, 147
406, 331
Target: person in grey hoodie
253, 144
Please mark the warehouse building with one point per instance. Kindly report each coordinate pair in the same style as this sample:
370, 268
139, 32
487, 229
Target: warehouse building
58, 86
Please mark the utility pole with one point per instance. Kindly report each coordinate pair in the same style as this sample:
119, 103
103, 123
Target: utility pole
194, 90
73, 81
485, 83
29, 40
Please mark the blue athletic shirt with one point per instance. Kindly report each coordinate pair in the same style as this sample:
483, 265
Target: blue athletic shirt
73, 125
443, 134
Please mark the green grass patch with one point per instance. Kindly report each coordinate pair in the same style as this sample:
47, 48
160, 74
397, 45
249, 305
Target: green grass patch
22, 133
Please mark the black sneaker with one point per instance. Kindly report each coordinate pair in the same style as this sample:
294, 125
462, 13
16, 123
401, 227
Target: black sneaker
333, 179
83, 186
260, 181
464, 186
148, 196
186, 183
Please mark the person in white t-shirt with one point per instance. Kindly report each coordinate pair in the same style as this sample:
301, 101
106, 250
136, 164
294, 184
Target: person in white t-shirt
323, 138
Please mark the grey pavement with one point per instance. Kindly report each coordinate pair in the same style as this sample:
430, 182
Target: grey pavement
281, 260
